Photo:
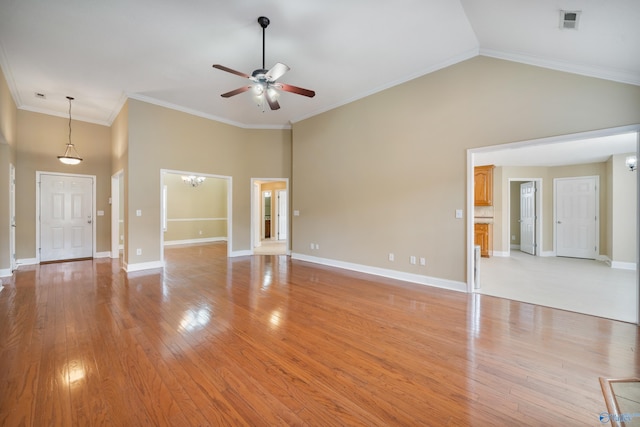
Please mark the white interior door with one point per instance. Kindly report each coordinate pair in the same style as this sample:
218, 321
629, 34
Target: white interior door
576, 207
281, 213
12, 216
528, 217
66, 217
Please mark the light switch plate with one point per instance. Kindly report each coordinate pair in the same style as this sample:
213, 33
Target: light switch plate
458, 213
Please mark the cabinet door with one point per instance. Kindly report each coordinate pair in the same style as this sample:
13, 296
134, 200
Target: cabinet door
482, 237
483, 185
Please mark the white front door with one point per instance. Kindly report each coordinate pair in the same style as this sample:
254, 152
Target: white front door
66, 217
576, 214
281, 214
528, 217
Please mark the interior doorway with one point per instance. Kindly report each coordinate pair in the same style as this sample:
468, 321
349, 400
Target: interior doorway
600, 153
270, 215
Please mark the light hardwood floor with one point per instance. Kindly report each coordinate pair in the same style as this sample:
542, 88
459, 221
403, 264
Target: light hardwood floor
266, 340
580, 285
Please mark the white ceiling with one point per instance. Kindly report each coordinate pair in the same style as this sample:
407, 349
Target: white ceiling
161, 51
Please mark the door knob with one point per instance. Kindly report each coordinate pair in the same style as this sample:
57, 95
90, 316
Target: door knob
559, 222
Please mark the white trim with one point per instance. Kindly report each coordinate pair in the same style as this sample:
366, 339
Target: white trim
129, 268
105, 254
6, 272
115, 213
547, 253
194, 219
26, 261
240, 253
194, 241
514, 247
501, 254
621, 76
392, 274
624, 265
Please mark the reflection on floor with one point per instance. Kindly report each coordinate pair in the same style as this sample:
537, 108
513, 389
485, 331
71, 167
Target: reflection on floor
580, 285
271, 247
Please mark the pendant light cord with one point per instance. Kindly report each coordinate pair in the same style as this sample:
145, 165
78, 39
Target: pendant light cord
69, 98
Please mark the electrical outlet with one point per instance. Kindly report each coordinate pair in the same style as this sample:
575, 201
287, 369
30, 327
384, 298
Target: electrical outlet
313, 246
139, 212
423, 261
412, 260
317, 245
138, 251
513, 237
200, 232
392, 257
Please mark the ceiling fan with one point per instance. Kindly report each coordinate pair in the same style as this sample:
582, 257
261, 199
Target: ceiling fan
264, 81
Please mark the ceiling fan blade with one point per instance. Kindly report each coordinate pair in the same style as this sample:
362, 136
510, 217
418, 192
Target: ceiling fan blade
276, 72
273, 102
296, 89
235, 92
229, 70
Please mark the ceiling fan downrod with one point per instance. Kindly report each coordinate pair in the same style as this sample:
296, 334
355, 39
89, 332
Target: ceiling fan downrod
264, 23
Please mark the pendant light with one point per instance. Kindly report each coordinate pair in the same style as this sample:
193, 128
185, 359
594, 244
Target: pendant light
71, 156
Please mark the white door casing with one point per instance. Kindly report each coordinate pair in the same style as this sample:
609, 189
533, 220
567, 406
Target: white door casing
12, 217
576, 216
528, 217
281, 215
66, 228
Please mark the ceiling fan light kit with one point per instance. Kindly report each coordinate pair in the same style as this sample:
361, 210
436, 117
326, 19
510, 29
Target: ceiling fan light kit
265, 87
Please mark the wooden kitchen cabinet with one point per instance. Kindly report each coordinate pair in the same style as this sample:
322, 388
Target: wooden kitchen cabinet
483, 236
483, 185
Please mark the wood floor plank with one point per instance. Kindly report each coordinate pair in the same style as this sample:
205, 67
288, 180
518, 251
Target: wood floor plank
266, 340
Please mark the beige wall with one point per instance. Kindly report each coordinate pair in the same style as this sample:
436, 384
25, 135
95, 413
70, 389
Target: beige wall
41, 138
8, 132
386, 173
195, 213
159, 138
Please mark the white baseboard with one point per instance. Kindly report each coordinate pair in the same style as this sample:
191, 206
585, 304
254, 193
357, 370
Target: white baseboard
194, 241
6, 272
548, 253
392, 274
26, 261
515, 247
624, 265
103, 254
501, 254
129, 268
246, 252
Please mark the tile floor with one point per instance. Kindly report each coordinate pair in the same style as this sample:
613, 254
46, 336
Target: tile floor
580, 285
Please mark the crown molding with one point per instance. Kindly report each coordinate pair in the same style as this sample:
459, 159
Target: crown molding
620, 76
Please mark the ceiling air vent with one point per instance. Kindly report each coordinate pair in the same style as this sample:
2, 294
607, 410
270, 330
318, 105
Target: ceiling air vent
569, 19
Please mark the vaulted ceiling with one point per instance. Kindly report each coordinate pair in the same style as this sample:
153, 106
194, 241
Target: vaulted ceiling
162, 51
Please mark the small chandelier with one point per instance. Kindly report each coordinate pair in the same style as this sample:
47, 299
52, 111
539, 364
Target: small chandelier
193, 180
71, 156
